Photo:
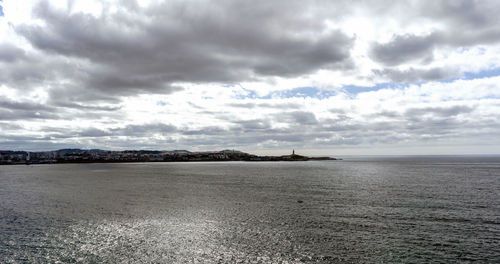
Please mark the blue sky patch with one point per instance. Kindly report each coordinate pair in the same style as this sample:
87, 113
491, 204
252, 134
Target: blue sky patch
482, 74
161, 103
313, 92
353, 89
248, 94
305, 92
300, 92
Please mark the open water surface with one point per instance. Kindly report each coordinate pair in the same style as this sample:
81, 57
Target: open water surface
386, 210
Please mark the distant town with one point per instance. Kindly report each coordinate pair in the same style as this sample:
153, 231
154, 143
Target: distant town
10, 157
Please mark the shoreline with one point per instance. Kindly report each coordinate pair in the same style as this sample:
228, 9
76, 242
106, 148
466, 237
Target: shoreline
169, 161
64, 156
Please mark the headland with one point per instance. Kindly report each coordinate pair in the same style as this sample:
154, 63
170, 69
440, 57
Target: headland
9, 157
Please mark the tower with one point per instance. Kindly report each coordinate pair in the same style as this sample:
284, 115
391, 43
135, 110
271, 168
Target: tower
293, 152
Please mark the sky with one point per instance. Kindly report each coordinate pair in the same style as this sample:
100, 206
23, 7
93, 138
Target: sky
320, 77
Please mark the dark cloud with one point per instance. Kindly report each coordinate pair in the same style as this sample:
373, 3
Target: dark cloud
386, 114
405, 48
463, 13
465, 23
72, 105
10, 53
298, 117
446, 112
220, 42
143, 130
23, 106
30, 71
418, 75
412, 48
24, 114
255, 124
337, 111
280, 105
204, 131
14, 110
93, 132
25, 110
242, 105
9, 126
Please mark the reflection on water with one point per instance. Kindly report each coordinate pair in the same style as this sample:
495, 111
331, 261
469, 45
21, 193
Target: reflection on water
385, 210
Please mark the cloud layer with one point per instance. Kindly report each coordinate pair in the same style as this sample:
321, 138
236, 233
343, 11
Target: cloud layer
250, 75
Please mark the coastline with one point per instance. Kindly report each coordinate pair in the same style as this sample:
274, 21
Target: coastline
65, 156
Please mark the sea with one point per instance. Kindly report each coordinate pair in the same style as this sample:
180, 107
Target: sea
424, 209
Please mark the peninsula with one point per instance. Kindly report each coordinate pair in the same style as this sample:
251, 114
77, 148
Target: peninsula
9, 157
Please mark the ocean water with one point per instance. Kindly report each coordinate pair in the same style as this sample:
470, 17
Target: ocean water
364, 210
